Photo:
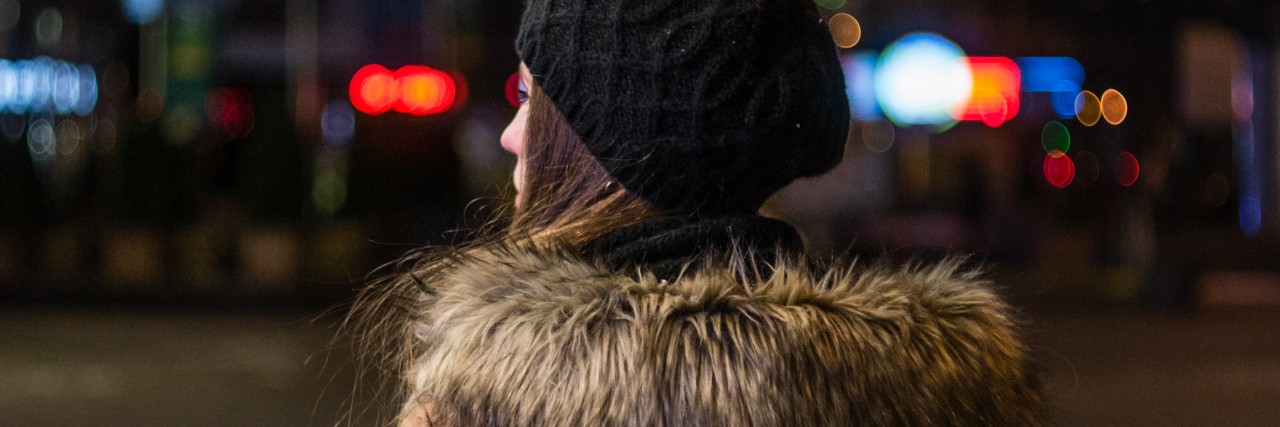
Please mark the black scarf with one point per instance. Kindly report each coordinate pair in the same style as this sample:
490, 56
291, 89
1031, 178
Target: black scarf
668, 246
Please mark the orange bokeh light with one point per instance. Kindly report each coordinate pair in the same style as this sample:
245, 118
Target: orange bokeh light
996, 91
412, 89
1114, 107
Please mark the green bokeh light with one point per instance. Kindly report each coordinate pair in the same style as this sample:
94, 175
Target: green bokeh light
830, 4
1055, 137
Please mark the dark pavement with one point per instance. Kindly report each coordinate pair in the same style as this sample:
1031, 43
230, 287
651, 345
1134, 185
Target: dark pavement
1118, 366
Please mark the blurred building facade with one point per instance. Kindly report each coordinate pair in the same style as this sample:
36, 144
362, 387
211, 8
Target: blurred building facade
223, 155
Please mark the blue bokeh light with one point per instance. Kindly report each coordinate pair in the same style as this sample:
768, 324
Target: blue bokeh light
142, 11
860, 87
1060, 76
47, 85
338, 123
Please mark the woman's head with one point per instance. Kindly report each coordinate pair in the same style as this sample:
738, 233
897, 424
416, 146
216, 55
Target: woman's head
562, 190
701, 107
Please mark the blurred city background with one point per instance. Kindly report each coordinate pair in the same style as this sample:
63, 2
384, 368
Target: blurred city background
191, 190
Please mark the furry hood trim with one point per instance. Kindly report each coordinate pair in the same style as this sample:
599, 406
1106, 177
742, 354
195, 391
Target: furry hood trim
527, 336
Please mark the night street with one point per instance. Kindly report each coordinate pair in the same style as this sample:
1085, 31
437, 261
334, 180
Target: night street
1106, 367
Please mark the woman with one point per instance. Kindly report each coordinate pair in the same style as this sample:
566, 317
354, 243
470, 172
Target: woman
638, 286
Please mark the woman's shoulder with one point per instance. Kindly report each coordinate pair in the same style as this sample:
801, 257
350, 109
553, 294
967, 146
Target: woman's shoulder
529, 273
832, 342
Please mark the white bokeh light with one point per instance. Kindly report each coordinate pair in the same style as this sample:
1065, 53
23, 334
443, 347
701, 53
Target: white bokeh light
922, 79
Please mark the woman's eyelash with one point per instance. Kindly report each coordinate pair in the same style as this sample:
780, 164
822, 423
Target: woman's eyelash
517, 91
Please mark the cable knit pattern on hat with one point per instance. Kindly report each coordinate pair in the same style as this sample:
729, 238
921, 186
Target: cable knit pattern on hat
703, 107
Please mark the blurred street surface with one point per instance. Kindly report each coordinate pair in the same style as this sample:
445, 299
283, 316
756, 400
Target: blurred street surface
149, 367
69, 367
1121, 367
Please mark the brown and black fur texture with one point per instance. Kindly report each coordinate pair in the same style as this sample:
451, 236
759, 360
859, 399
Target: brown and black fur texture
529, 336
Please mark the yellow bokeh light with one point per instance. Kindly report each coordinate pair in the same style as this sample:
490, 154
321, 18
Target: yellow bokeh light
1088, 108
1114, 106
845, 30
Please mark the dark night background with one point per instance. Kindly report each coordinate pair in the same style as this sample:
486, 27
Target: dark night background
180, 254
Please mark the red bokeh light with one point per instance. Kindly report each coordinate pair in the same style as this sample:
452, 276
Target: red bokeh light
996, 94
373, 89
230, 110
1059, 170
412, 89
1126, 169
513, 89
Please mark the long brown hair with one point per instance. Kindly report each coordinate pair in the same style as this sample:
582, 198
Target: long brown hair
569, 199
568, 196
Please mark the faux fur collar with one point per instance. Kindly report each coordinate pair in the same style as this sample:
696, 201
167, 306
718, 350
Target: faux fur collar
524, 336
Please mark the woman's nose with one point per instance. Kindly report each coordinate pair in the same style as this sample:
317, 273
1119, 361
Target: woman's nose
513, 136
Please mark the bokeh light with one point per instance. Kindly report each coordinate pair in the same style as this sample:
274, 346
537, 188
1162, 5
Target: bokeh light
1114, 106
1088, 108
412, 89
1126, 168
424, 90
1055, 137
860, 85
230, 111
337, 123
10, 13
1242, 98
49, 27
8, 85
1059, 76
1250, 215
329, 192
66, 87
1046, 73
47, 85
180, 124
878, 135
512, 89
41, 141
996, 86
87, 95
845, 30
142, 11
373, 89
830, 4
1059, 170
69, 137
923, 79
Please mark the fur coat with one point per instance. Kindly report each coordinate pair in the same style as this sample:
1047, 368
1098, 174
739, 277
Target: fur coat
530, 336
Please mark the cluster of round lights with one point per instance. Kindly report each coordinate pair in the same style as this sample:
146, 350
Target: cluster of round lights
412, 89
47, 85
1091, 109
1060, 170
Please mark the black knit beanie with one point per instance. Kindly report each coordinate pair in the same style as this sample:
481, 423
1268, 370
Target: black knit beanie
704, 107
